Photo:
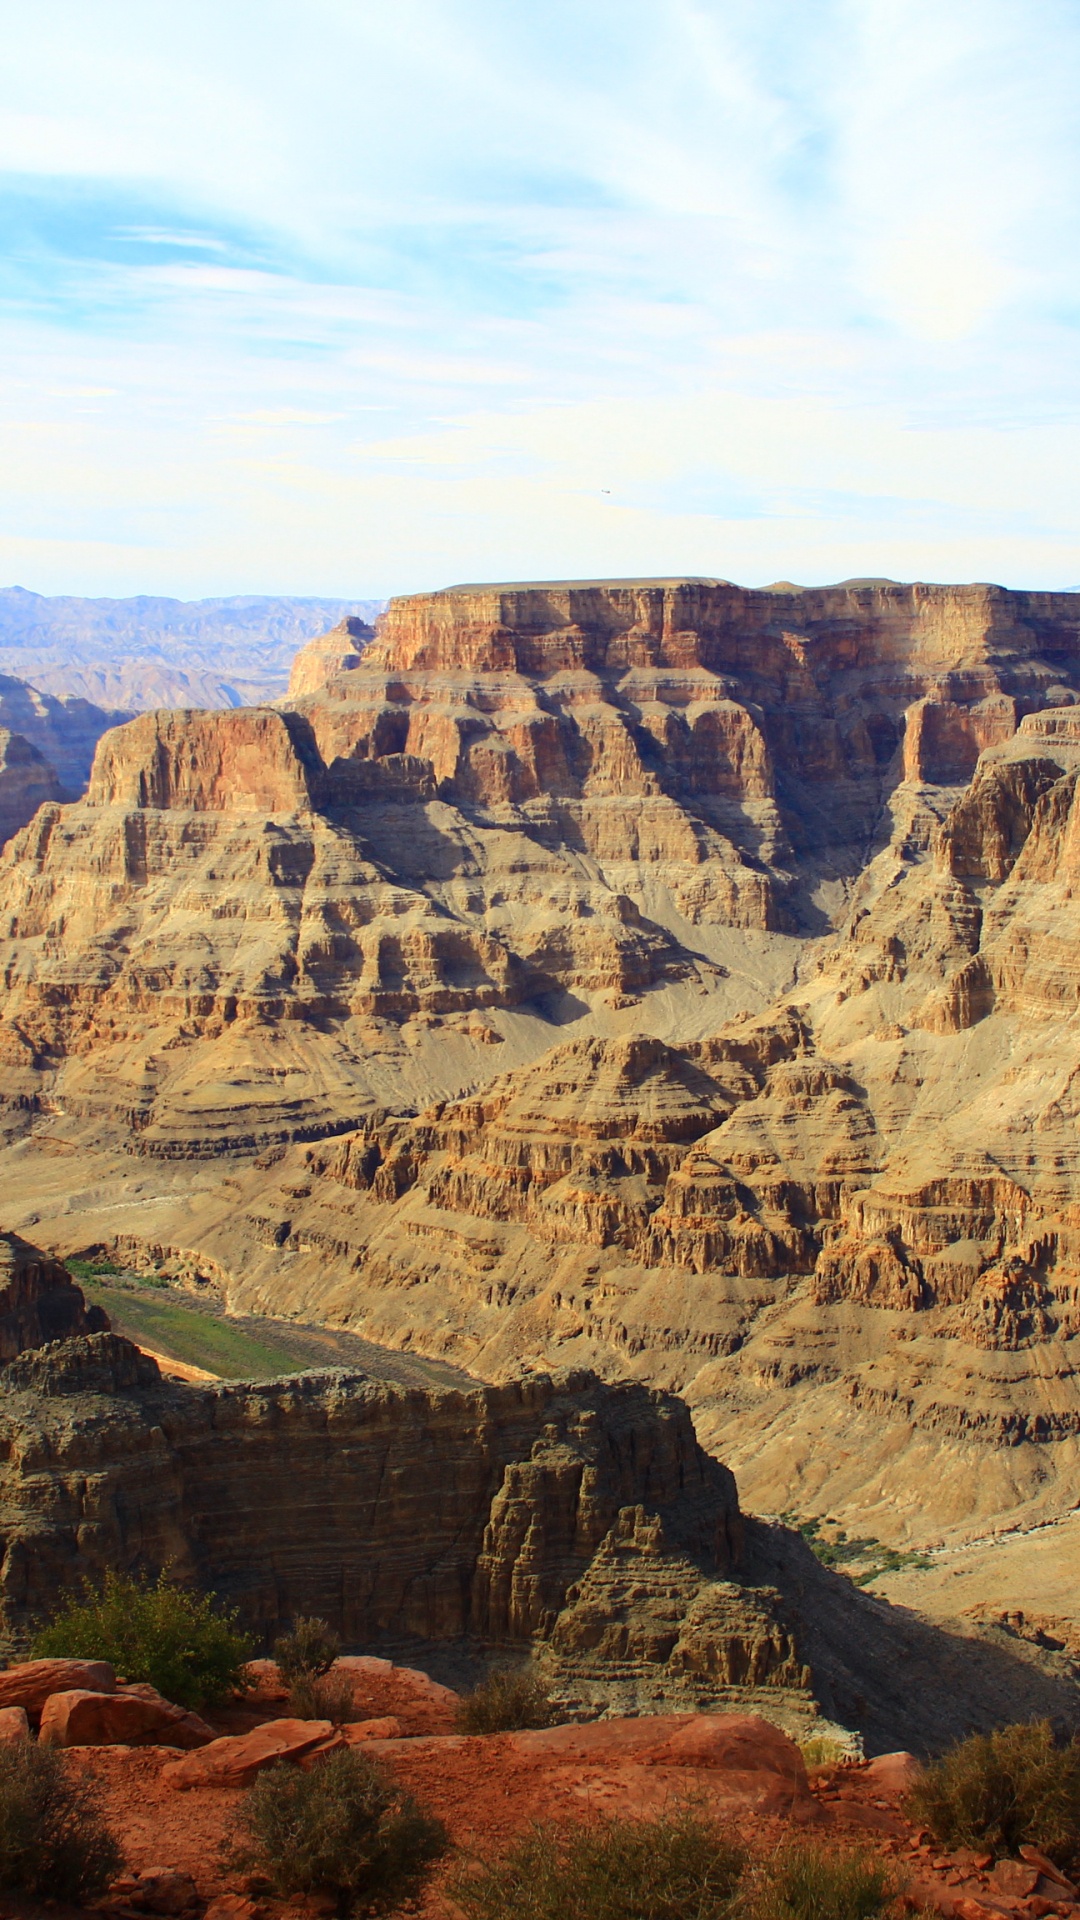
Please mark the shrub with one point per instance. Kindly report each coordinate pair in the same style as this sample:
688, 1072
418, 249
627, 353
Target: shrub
807, 1881
308, 1651
504, 1702
681, 1867
342, 1828
1004, 1790
156, 1631
53, 1838
326, 1696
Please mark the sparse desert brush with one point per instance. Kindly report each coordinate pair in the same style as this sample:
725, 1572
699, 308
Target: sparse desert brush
506, 1702
342, 1828
324, 1696
155, 1630
804, 1880
1003, 1790
680, 1867
53, 1837
308, 1651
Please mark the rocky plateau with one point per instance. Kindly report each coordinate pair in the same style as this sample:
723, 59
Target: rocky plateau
662, 978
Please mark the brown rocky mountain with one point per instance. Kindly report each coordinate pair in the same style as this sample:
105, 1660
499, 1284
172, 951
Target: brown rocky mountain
581, 1520
64, 731
26, 782
150, 652
662, 977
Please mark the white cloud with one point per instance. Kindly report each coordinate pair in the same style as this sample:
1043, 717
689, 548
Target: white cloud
716, 285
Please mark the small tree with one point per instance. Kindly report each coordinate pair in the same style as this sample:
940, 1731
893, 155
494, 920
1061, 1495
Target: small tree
156, 1631
53, 1836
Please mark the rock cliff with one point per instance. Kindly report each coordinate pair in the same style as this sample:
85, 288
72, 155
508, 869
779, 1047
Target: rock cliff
555, 1511
39, 1301
27, 781
657, 976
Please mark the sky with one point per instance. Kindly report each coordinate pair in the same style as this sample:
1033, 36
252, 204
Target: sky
359, 297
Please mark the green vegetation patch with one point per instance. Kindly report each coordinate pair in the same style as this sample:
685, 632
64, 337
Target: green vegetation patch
199, 1339
155, 1630
863, 1560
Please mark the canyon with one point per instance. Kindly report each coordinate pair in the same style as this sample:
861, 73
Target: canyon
662, 978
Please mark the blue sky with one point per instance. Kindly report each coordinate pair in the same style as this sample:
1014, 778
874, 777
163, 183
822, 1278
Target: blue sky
358, 298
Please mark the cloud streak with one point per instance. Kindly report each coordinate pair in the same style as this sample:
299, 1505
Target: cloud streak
365, 298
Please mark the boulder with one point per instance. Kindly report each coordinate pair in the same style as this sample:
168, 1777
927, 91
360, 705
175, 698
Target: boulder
235, 1760
14, 1726
893, 1773
131, 1717
164, 1890
30, 1684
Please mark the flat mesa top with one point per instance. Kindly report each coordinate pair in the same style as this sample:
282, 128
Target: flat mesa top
551, 586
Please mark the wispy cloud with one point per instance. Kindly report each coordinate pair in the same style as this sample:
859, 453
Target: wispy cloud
355, 299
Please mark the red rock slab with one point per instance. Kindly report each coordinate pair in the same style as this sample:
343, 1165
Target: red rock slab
30, 1684
235, 1760
135, 1716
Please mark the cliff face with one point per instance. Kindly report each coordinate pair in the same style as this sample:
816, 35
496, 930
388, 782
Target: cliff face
579, 1518
39, 1301
27, 781
658, 976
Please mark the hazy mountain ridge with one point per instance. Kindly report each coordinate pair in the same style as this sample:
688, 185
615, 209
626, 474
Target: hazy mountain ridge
153, 651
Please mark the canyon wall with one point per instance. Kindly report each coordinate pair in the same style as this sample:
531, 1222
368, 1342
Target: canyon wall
661, 977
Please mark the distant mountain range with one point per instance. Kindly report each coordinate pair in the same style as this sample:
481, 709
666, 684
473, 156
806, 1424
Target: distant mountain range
150, 652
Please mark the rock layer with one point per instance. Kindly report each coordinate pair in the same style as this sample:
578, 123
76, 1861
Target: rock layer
656, 975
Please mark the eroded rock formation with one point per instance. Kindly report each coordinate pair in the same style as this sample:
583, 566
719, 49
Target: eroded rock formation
655, 975
580, 1518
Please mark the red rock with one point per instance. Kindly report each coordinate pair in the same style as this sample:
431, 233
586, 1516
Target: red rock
893, 1773
1015, 1878
132, 1717
233, 1906
964, 1907
235, 1760
163, 1890
388, 1728
1045, 1865
425, 1688
14, 1726
30, 1684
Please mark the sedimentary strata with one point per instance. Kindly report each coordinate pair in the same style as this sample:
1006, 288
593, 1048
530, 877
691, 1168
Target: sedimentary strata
557, 1512
660, 976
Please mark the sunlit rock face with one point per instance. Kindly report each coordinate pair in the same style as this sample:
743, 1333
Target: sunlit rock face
656, 975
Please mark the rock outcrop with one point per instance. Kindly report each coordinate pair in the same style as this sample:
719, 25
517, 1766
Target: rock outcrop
657, 976
338, 651
64, 731
555, 1512
39, 1301
26, 782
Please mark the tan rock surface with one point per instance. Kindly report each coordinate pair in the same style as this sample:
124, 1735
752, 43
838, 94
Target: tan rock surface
26, 782
671, 978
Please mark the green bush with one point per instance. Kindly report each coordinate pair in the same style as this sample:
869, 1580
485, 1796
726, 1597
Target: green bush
681, 1867
308, 1651
1003, 1790
342, 1828
505, 1702
155, 1631
53, 1837
326, 1696
805, 1880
